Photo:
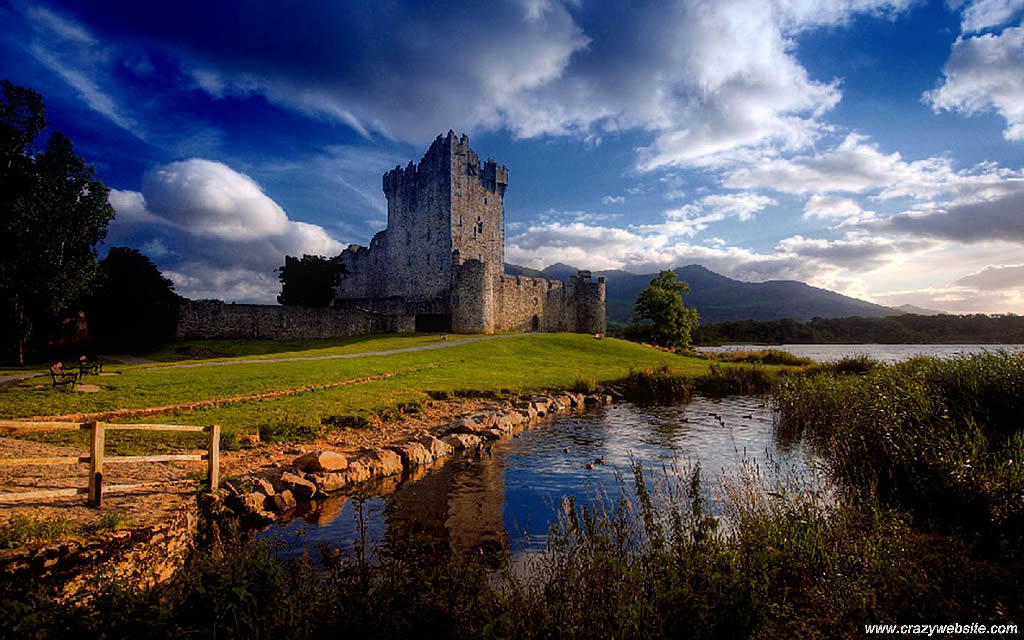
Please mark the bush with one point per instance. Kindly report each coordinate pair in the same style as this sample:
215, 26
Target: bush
656, 386
725, 381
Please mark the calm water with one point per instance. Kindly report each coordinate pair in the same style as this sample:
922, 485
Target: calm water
508, 498
883, 352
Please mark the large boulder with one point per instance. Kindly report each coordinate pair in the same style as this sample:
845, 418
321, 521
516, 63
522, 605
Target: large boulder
330, 481
320, 461
282, 501
412, 453
461, 441
436, 448
381, 462
246, 503
301, 488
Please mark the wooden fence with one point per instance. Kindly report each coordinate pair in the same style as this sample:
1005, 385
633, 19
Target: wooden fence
97, 459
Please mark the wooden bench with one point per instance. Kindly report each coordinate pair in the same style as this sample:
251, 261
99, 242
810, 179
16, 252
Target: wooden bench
87, 364
60, 376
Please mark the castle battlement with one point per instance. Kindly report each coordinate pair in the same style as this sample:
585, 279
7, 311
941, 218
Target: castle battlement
444, 248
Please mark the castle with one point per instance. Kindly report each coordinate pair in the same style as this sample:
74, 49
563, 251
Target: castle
441, 259
439, 266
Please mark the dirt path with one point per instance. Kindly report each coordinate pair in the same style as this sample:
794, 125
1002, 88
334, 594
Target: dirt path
121, 414
362, 354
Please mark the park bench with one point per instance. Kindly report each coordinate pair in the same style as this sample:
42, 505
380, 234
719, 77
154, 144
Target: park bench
60, 376
87, 364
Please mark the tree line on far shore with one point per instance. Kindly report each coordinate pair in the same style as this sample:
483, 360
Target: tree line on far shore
902, 329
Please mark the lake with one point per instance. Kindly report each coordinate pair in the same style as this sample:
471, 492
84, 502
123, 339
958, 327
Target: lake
884, 352
507, 498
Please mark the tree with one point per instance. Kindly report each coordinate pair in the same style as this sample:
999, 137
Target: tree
133, 305
55, 211
660, 315
310, 281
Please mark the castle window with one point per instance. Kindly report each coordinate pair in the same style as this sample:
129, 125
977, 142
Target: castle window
535, 301
428, 235
485, 200
458, 191
428, 258
408, 237
460, 221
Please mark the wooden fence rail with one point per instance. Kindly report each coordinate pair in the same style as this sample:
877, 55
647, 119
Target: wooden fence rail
97, 459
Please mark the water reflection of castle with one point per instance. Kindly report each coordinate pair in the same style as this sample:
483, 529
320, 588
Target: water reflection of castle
460, 501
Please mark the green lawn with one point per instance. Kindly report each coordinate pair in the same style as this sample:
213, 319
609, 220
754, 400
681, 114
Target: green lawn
515, 364
202, 350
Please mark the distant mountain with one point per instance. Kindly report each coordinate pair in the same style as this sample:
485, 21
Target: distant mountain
918, 311
721, 299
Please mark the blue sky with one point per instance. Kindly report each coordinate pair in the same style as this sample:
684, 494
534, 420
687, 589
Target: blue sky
872, 147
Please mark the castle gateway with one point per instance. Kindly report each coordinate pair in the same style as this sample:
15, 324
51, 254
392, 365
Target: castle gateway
441, 259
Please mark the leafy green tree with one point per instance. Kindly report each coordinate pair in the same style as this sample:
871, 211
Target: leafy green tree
55, 211
659, 314
310, 281
133, 305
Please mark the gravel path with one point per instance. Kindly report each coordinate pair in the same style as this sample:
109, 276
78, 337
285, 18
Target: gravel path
362, 354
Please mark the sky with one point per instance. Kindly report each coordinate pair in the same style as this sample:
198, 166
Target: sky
871, 147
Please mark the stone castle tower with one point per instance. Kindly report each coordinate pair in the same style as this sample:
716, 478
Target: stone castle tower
441, 258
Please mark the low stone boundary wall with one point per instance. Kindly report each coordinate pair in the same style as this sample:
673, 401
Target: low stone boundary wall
204, 320
140, 557
314, 475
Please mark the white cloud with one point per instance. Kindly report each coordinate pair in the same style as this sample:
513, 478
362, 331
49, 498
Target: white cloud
984, 14
995, 277
857, 166
709, 81
983, 71
613, 199
225, 235
823, 207
999, 219
208, 198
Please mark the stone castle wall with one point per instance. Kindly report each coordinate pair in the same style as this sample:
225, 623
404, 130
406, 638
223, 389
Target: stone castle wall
216, 320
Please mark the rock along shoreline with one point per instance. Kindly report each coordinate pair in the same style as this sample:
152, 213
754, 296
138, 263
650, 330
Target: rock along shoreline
258, 499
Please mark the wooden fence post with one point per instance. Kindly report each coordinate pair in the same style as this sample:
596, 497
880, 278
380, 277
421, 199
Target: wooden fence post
213, 457
96, 465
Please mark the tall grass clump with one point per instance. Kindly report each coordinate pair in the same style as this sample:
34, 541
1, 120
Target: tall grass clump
940, 439
737, 380
656, 386
763, 356
653, 563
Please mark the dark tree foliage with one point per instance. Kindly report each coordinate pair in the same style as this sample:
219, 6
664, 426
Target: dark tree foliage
902, 329
310, 281
659, 315
54, 213
133, 305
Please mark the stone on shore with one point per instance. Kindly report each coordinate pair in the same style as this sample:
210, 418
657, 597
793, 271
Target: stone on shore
319, 461
381, 462
301, 488
412, 453
436, 448
283, 501
460, 441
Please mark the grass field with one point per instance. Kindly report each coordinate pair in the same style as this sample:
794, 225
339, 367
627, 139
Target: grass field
514, 364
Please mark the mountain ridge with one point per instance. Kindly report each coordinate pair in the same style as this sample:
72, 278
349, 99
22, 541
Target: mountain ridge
719, 298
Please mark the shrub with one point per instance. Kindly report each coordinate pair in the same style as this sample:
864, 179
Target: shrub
656, 386
583, 385
724, 381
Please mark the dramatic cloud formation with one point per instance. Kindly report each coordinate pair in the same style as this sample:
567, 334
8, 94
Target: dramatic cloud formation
993, 277
219, 235
984, 71
1000, 219
706, 79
